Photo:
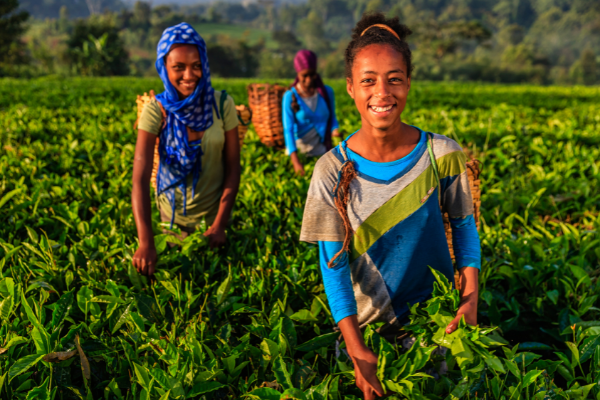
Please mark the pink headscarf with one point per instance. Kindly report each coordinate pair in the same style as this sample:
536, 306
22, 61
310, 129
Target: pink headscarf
306, 59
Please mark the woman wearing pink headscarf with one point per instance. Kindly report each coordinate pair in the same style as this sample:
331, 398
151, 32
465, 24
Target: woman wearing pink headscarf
309, 118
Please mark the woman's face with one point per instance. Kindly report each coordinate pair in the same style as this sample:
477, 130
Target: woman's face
379, 85
307, 78
184, 68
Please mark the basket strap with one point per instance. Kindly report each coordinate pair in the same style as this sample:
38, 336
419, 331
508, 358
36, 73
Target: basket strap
241, 120
222, 103
434, 165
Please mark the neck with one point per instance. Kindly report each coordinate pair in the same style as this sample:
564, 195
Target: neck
384, 145
305, 92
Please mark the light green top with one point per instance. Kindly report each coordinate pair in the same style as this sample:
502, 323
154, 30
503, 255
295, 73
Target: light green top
210, 184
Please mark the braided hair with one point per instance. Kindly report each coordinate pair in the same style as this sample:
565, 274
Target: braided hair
368, 31
373, 28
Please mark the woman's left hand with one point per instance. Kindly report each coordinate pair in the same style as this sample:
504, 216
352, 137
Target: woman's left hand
467, 308
336, 133
469, 294
216, 236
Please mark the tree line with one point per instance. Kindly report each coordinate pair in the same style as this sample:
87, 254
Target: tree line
537, 41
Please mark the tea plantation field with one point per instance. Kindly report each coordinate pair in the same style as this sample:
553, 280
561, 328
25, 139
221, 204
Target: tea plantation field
251, 320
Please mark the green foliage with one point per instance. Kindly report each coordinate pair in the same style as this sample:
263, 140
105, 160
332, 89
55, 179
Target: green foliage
94, 48
12, 27
251, 320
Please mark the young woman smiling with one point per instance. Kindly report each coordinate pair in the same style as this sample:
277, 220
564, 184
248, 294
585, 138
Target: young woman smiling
199, 170
374, 204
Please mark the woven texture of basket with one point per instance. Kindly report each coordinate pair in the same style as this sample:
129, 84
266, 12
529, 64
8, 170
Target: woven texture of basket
265, 101
244, 116
473, 171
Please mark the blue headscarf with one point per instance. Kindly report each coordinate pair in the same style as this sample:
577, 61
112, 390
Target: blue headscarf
179, 157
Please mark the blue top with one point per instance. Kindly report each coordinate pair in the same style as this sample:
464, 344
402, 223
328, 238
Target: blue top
294, 127
337, 280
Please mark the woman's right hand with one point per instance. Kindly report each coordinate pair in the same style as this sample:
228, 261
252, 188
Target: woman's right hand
298, 167
365, 371
144, 260
365, 361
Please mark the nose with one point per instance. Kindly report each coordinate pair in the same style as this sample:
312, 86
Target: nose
382, 89
188, 74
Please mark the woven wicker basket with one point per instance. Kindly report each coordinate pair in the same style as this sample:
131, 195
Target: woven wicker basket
473, 171
243, 112
265, 102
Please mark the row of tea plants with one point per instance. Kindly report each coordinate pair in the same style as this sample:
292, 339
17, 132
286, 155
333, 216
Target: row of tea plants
251, 320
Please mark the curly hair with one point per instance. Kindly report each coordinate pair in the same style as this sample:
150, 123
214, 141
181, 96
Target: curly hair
377, 35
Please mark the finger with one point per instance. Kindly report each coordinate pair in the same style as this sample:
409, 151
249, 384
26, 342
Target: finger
453, 325
378, 389
144, 267
151, 269
369, 394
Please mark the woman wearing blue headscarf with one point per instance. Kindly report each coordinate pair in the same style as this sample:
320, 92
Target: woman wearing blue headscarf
199, 170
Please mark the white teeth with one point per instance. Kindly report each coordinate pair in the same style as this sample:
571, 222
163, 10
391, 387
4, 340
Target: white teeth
381, 109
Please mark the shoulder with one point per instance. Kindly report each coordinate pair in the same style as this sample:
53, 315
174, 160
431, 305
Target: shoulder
328, 165
219, 94
287, 96
153, 106
443, 145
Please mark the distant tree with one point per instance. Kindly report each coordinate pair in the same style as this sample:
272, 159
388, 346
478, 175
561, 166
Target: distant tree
94, 48
311, 29
141, 15
63, 18
12, 26
287, 42
585, 70
233, 58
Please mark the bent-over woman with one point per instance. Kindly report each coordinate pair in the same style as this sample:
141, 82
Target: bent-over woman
199, 171
373, 205
308, 112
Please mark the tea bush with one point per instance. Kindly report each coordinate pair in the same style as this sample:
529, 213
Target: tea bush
251, 320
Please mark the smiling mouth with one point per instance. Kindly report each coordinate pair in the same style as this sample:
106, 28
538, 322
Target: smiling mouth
188, 85
381, 109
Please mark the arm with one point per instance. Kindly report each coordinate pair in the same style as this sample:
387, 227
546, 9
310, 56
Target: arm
467, 249
335, 125
340, 295
288, 132
144, 259
231, 158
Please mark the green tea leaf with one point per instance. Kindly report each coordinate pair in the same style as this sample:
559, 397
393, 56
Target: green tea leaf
587, 348
281, 373
531, 377
122, 319
61, 309
142, 376
303, 316
223, 290
8, 196
40, 393
265, 393
293, 394
204, 387
23, 364
318, 342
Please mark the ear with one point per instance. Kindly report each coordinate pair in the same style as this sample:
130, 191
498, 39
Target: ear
408, 80
349, 87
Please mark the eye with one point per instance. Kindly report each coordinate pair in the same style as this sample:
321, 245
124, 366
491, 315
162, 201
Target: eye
367, 80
